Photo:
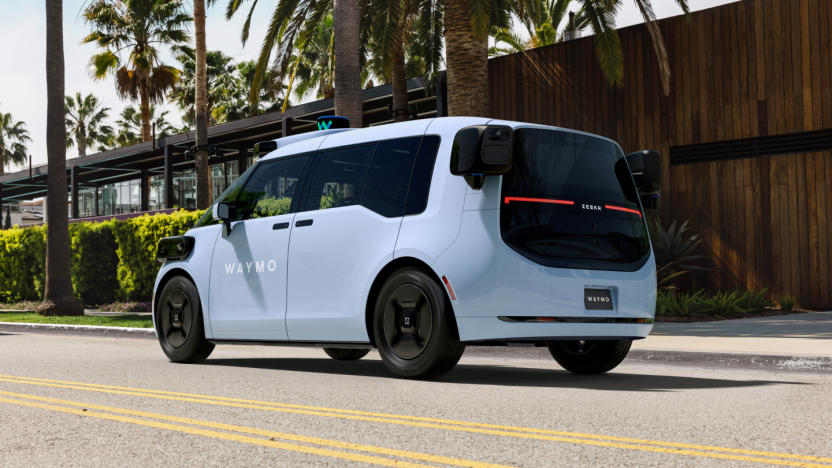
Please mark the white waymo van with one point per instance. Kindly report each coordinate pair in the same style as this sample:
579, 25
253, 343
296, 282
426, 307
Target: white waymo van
418, 238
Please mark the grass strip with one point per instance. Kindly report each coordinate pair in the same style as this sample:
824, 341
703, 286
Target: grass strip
135, 321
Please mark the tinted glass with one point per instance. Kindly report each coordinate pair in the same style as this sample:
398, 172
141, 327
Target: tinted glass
337, 178
385, 188
207, 218
270, 189
417, 196
569, 201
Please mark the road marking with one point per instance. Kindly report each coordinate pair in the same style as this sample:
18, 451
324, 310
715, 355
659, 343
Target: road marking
464, 426
217, 435
266, 433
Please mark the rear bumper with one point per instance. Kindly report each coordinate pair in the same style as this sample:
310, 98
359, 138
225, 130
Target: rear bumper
494, 329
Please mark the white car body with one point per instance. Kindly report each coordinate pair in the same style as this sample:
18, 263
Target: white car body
314, 284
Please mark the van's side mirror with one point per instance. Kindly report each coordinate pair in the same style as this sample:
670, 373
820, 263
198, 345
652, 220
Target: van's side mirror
646, 167
481, 150
224, 211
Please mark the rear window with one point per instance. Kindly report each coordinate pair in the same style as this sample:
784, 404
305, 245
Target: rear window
569, 201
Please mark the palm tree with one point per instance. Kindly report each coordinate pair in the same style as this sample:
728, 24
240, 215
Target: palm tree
291, 25
234, 103
58, 297
203, 176
13, 139
396, 27
541, 20
222, 81
129, 126
85, 122
138, 29
467, 23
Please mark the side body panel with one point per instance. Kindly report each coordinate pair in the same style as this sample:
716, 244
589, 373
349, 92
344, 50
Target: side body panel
334, 260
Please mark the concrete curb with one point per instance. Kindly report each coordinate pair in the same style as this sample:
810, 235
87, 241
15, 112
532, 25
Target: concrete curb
84, 330
734, 360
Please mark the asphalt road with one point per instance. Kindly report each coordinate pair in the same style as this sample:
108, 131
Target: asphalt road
82, 401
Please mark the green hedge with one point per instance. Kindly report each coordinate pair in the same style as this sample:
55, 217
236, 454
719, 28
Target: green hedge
22, 255
111, 260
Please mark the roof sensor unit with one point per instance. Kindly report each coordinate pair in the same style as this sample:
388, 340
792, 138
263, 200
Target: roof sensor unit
328, 122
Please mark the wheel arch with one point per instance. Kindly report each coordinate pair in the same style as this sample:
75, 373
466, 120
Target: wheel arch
161, 285
395, 265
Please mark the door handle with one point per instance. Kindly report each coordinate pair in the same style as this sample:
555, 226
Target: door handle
303, 222
280, 226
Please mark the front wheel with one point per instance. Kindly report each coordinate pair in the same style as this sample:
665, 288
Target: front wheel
414, 326
179, 322
342, 354
589, 357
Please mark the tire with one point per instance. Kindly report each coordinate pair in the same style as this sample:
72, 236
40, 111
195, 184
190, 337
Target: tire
414, 326
179, 324
341, 354
589, 357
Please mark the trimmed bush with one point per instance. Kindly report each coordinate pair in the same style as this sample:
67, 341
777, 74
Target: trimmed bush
22, 256
111, 260
94, 262
136, 239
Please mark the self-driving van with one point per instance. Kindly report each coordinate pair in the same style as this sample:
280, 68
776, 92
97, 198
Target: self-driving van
417, 239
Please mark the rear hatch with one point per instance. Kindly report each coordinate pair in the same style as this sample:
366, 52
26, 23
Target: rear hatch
569, 201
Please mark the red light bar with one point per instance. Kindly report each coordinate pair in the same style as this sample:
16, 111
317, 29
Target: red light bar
538, 200
621, 208
450, 289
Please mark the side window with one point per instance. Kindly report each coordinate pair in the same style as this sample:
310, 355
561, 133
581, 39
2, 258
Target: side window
337, 178
385, 189
270, 189
417, 194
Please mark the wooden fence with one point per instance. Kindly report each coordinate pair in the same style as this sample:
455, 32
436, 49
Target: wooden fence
744, 70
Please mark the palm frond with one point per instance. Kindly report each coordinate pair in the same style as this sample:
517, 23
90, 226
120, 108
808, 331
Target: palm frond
646, 9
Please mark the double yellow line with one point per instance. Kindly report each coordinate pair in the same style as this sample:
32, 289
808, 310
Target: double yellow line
647, 445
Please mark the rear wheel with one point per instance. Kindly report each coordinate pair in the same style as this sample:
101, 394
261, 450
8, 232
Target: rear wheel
414, 327
179, 323
589, 357
342, 354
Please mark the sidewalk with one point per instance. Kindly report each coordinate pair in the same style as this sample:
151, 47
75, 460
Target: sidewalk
808, 334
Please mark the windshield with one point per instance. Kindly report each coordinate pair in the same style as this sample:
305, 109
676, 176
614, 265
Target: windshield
569, 201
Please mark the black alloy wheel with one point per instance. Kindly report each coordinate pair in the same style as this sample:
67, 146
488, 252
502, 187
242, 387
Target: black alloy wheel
179, 324
589, 356
408, 321
414, 326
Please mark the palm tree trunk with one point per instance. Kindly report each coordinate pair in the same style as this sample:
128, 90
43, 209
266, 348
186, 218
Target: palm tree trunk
347, 73
398, 77
467, 59
144, 104
58, 295
82, 142
203, 179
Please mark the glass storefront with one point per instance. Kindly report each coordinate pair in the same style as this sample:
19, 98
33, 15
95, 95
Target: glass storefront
125, 197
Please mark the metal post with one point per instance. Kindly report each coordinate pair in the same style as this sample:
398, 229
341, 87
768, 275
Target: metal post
284, 127
95, 202
2, 219
73, 180
243, 159
168, 178
145, 191
442, 96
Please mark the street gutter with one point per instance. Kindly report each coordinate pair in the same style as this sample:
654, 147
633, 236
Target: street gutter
819, 364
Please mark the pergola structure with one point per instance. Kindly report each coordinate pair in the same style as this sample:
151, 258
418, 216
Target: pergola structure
228, 142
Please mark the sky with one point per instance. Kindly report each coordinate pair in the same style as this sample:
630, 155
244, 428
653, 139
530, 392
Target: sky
22, 55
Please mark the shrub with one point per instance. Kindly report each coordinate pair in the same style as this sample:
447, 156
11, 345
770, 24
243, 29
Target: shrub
22, 256
94, 262
754, 301
672, 302
787, 303
675, 251
136, 239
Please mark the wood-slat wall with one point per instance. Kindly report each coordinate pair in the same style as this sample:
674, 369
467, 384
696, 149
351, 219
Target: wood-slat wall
751, 68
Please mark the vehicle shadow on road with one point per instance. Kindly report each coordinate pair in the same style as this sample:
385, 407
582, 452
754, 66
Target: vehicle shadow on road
509, 376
